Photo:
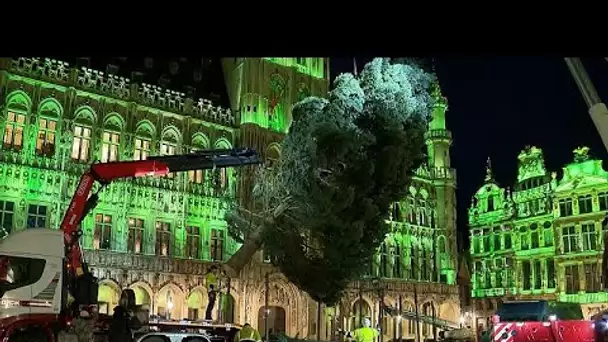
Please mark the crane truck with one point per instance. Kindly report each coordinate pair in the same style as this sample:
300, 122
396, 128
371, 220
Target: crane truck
41, 268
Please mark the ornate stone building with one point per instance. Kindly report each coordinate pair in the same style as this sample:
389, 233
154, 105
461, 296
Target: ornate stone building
159, 235
541, 240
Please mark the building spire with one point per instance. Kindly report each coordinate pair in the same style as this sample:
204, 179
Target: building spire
489, 176
355, 66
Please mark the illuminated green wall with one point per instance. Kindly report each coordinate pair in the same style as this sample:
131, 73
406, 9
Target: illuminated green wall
38, 180
540, 239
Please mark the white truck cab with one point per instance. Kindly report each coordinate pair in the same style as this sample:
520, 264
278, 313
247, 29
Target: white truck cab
31, 271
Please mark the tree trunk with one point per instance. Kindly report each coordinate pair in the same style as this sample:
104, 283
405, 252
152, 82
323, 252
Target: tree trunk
243, 255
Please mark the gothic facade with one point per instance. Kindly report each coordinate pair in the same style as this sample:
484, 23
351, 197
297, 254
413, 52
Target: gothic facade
542, 239
159, 235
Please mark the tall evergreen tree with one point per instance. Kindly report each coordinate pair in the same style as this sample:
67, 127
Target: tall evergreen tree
344, 161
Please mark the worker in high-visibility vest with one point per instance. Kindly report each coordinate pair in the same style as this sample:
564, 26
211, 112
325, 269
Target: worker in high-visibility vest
247, 333
366, 333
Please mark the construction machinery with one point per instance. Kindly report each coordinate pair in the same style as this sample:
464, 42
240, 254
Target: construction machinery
42, 270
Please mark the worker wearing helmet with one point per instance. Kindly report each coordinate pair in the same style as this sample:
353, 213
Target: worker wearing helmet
247, 333
366, 333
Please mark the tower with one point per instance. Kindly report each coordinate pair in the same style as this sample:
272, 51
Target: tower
438, 141
262, 92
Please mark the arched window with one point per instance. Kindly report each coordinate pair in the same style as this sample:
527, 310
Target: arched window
168, 145
143, 139
49, 112
81, 143
428, 309
360, 311
199, 143
18, 106
490, 203
222, 174
110, 139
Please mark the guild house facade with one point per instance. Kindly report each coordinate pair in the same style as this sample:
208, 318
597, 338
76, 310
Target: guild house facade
542, 239
159, 235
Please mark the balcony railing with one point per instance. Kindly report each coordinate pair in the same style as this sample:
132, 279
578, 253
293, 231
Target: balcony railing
146, 262
115, 86
438, 134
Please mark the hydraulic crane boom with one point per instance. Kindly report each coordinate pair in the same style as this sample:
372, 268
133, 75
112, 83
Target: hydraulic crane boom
81, 284
597, 108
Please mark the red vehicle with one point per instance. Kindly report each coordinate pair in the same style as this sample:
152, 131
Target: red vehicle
542, 321
39, 267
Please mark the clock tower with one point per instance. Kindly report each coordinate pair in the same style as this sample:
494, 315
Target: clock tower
262, 93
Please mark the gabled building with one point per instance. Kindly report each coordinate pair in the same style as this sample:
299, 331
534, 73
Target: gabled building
542, 239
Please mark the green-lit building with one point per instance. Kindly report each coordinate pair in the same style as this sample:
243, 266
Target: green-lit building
540, 238
159, 235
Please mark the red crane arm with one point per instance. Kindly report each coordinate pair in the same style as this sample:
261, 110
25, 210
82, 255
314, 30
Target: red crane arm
104, 173
83, 201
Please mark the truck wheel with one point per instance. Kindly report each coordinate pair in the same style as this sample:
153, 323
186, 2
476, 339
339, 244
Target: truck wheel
31, 335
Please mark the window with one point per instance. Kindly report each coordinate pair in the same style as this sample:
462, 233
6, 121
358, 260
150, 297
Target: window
603, 199
7, 211
550, 274
301, 60
102, 236
167, 149
136, 235
36, 216
397, 262
109, 147
486, 240
383, 261
508, 241
16, 272
572, 283
537, 275
81, 143
592, 281
142, 149
569, 239
222, 178
413, 264
490, 203
476, 245
498, 273
589, 237
13, 131
217, 245
526, 274
193, 242
565, 207
488, 275
524, 239
534, 236
585, 204
163, 238
45, 143
496, 242
548, 237
196, 176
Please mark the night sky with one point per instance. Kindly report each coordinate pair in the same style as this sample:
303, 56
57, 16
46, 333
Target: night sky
499, 105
